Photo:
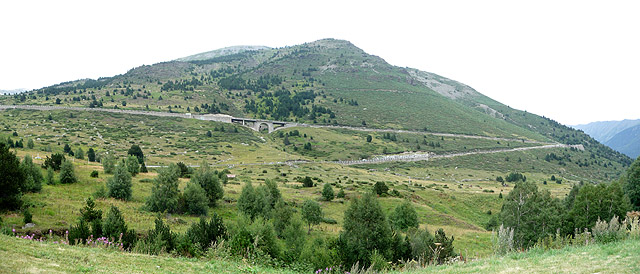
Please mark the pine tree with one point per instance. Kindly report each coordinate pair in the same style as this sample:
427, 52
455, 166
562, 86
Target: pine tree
195, 199
165, 193
119, 185
12, 179
404, 216
67, 173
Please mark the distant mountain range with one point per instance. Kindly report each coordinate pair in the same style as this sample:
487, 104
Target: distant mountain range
623, 136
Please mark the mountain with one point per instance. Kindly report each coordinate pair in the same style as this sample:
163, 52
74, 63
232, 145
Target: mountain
221, 52
605, 130
622, 136
627, 141
325, 82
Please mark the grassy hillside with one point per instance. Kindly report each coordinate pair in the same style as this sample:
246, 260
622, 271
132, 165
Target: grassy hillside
29, 256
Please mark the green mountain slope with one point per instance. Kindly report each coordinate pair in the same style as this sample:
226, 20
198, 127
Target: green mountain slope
323, 82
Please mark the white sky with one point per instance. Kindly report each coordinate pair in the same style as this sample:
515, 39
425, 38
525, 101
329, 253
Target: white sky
573, 61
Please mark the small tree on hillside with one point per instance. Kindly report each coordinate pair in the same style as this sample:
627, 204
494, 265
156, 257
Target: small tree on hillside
195, 199
91, 155
327, 192
404, 216
33, 175
632, 184
165, 193
67, 173
108, 163
208, 180
132, 165
12, 179
307, 182
311, 213
136, 151
119, 186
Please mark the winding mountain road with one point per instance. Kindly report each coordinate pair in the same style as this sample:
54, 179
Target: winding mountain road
407, 157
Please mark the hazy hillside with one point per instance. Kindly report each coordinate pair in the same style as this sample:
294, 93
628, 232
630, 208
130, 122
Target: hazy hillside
605, 130
627, 141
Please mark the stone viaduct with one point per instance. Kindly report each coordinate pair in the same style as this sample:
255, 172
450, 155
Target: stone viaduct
255, 124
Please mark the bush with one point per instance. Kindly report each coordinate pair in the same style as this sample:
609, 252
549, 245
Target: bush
54, 162
183, 169
364, 218
195, 198
160, 238
380, 188
252, 203
79, 233
327, 192
132, 165
307, 182
281, 217
404, 216
204, 233
341, 193
503, 240
311, 213
33, 175
12, 179
164, 193
51, 180
67, 173
136, 151
114, 225
108, 163
27, 217
119, 184
209, 181
94, 174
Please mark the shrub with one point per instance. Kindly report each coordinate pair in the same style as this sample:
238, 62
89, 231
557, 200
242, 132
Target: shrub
119, 184
164, 193
210, 182
79, 233
251, 202
94, 174
132, 165
33, 175
160, 238
108, 163
27, 217
380, 188
183, 170
503, 240
311, 213
327, 192
364, 218
114, 225
67, 173
404, 216
307, 182
281, 217
50, 179
195, 198
204, 233
341, 193
54, 162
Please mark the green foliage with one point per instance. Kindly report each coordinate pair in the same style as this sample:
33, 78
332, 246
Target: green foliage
183, 170
602, 201
108, 163
327, 192
531, 213
204, 233
365, 229
94, 174
50, 179
54, 162
162, 236
319, 253
632, 184
444, 247
164, 193
251, 202
79, 233
281, 216
380, 188
515, 177
404, 216
311, 213
307, 181
132, 165
30, 144
265, 238
27, 217
91, 155
33, 175
294, 239
136, 151
119, 185
79, 154
114, 225
195, 199
208, 180
89, 213
340, 194
67, 173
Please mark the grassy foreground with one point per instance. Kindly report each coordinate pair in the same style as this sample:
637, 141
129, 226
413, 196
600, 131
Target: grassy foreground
20, 256
617, 257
